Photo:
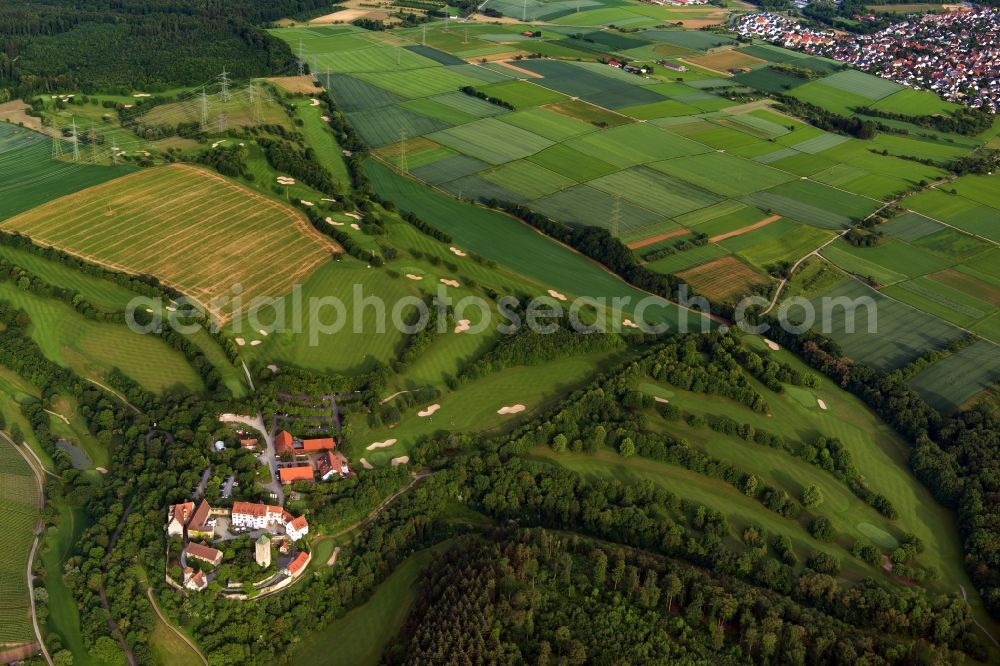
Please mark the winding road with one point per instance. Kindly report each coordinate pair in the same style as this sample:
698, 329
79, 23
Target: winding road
39, 480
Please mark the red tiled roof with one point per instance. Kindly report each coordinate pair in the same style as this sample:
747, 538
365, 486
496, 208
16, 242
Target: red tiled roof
200, 517
248, 442
300, 561
181, 512
323, 444
289, 474
256, 510
283, 442
300, 523
203, 552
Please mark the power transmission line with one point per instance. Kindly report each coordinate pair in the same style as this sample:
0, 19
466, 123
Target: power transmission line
224, 85
76, 143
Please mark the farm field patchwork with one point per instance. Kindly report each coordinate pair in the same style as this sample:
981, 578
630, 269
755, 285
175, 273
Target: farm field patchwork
947, 384
188, 214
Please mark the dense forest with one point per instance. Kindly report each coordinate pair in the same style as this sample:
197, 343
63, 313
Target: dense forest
129, 45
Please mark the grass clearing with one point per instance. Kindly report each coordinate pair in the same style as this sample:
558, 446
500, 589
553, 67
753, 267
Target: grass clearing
572, 163
90, 348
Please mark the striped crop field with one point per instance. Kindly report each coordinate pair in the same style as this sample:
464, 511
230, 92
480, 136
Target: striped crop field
19, 504
195, 230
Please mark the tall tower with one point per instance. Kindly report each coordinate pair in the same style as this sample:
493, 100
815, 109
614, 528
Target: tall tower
262, 551
57, 147
224, 85
204, 109
76, 143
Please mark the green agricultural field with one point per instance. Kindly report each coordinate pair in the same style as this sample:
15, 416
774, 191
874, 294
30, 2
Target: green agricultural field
813, 203
353, 94
783, 240
572, 163
829, 97
951, 382
492, 141
448, 168
528, 179
896, 256
894, 336
383, 125
862, 182
19, 496
915, 102
722, 218
509, 242
30, 177
549, 124
522, 94
666, 196
629, 145
576, 80
866, 85
417, 82
723, 174
683, 260
587, 205
939, 299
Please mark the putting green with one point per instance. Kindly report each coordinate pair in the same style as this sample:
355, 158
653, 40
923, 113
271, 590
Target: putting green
880, 537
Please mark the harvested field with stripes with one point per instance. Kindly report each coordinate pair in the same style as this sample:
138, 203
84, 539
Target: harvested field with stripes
198, 232
722, 278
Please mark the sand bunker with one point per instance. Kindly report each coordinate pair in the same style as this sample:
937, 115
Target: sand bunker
430, 410
512, 409
414, 277
401, 460
101, 470
458, 253
314, 102
771, 344
263, 332
272, 367
380, 445
356, 226
306, 203
367, 465
334, 222
822, 405
240, 341
630, 323
285, 180
659, 399
254, 343
463, 326
557, 295
141, 95
451, 283
356, 216
325, 119
218, 143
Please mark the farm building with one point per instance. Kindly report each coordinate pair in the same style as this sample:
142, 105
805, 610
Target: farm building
203, 552
291, 474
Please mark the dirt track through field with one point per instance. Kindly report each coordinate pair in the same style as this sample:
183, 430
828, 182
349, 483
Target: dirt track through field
743, 230
635, 245
522, 70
